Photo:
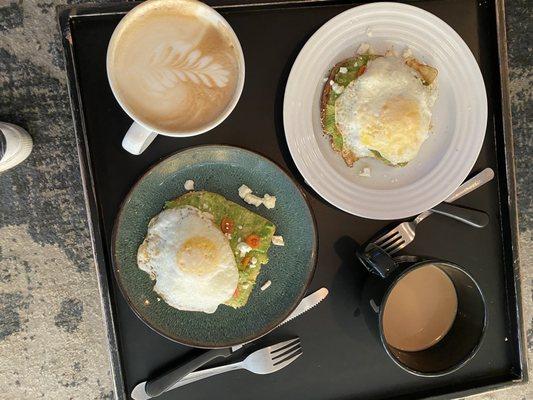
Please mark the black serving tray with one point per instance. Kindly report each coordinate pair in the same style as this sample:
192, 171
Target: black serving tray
342, 360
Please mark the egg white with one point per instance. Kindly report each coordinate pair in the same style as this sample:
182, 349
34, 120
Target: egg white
190, 259
387, 109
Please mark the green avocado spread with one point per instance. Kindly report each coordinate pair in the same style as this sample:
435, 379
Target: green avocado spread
355, 67
239, 225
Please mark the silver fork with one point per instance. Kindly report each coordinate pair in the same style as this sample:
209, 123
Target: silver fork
264, 361
403, 234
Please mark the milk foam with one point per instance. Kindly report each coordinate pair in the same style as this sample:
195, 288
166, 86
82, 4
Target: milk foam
173, 65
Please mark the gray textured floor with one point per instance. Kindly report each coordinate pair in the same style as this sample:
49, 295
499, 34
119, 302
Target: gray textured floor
52, 341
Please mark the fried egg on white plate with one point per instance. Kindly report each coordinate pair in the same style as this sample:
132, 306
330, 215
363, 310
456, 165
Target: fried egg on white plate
386, 111
190, 259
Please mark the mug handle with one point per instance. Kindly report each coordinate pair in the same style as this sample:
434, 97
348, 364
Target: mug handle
137, 139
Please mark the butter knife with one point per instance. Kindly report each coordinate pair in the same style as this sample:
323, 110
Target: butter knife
154, 387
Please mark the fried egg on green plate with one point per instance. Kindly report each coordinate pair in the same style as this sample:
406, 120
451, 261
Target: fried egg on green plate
380, 107
203, 251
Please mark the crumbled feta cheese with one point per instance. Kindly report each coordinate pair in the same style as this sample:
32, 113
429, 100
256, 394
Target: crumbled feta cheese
365, 172
238, 240
278, 240
364, 48
269, 201
338, 89
240, 227
253, 260
243, 248
343, 70
391, 53
407, 53
246, 194
189, 184
253, 199
331, 83
266, 285
243, 191
228, 235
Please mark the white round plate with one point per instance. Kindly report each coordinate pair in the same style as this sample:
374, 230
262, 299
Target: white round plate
459, 115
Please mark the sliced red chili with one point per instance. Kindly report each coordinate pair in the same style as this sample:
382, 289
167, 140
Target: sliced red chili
253, 241
227, 225
361, 70
236, 292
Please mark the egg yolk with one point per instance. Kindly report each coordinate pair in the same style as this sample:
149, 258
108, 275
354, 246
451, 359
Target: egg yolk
197, 256
395, 132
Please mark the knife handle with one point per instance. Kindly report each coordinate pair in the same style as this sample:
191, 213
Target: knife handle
157, 386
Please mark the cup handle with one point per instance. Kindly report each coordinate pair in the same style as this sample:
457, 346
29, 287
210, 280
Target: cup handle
137, 139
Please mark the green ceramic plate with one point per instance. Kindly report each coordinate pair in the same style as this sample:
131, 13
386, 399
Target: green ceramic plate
219, 169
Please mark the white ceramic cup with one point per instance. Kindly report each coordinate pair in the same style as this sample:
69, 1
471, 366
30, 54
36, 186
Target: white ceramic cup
141, 134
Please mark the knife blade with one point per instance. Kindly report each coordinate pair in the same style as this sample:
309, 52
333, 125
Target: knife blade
306, 304
139, 391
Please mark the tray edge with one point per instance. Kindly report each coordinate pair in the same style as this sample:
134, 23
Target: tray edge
65, 13
511, 181
63, 16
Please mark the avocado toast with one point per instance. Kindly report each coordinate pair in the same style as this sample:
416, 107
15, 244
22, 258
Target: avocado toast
243, 228
343, 75
355, 67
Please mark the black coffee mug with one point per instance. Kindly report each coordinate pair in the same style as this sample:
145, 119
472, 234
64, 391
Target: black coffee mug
464, 337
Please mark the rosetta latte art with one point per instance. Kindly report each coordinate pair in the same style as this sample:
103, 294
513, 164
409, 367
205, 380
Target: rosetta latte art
174, 68
171, 64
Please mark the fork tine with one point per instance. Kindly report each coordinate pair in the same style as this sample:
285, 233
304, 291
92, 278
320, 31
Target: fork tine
393, 244
386, 236
282, 345
392, 239
398, 245
288, 356
282, 353
287, 361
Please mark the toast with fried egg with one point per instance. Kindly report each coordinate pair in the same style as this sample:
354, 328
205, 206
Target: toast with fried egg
248, 234
378, 106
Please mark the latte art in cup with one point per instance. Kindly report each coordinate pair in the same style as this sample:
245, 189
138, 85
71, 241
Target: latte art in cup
173, 65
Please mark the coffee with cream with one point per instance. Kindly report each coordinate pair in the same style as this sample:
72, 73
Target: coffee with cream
174, 65
420, 309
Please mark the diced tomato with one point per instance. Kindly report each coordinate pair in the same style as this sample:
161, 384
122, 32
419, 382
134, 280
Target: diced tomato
253, 241
361, 70
227, 225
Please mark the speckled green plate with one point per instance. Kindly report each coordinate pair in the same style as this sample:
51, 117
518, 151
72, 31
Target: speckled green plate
219, 169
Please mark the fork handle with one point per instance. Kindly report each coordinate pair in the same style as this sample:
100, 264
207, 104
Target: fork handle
469, 186
475, 218
159, 385
206, 373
